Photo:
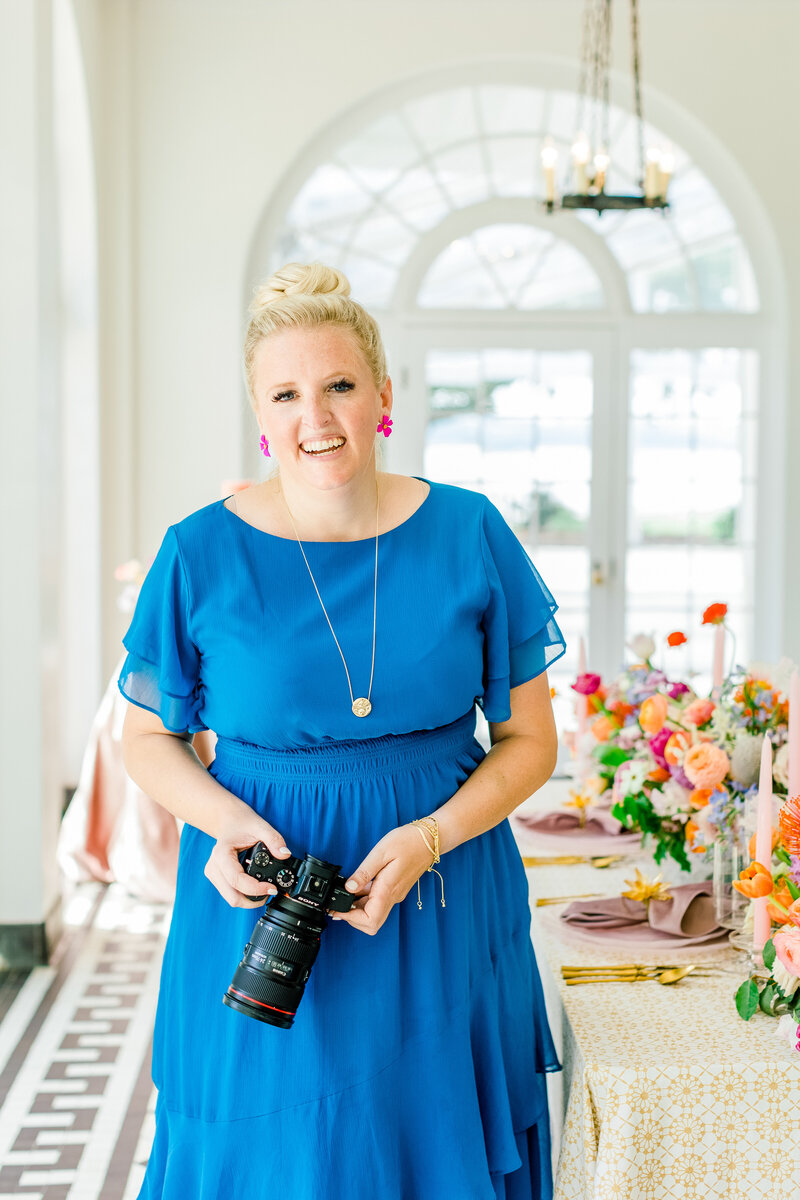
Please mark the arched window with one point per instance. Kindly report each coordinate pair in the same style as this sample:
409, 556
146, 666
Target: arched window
597, 375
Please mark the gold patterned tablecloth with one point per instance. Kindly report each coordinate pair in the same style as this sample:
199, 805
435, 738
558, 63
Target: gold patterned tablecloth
667, 1093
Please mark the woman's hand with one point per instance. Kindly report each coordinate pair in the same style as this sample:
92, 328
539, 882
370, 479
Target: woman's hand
385, 877
223, 868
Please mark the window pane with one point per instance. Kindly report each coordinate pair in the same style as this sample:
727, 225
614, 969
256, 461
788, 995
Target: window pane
691, 504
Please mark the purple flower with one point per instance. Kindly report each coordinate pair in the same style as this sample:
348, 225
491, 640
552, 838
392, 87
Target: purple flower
678, 689
794, 869
680, 777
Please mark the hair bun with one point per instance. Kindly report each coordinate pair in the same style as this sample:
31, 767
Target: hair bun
295, 279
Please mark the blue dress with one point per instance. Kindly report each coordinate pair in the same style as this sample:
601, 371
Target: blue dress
415, 1068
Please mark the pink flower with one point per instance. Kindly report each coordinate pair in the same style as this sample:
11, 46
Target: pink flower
587, 684
699, 711
384, 425
657, 745
787, 948
678, 689
705, 765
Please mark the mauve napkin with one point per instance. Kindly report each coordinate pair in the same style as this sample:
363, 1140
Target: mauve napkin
687, 918
598, 821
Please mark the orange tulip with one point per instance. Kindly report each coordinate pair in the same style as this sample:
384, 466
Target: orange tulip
603, 727
700, 798
754, 881
659, 775
751, 845
783, 896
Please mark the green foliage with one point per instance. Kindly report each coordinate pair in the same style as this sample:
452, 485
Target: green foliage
794, 890
769, 955
611, 756
747, 999
768, 998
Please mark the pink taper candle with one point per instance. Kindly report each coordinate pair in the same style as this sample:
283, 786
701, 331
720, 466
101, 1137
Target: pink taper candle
763, 924
718, 669
794, 735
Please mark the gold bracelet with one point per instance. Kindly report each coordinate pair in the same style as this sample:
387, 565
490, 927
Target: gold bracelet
434, 849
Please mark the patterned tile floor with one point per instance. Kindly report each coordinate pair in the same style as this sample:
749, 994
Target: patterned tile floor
76, 1099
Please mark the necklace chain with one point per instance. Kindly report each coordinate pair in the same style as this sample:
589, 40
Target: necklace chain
362, 706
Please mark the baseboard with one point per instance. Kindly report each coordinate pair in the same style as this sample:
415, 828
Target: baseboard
31, 945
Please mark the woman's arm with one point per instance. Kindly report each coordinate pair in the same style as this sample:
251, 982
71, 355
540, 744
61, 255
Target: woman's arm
165, 766
522, 758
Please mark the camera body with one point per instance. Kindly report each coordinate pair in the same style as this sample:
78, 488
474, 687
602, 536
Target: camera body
308, 881
271, 977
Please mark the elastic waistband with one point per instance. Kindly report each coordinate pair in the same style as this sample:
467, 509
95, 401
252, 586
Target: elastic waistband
355, 757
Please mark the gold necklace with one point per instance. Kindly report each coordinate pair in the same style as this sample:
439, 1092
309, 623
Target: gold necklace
361, 705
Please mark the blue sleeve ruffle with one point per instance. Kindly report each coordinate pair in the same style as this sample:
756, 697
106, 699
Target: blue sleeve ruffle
521, 636
162, 669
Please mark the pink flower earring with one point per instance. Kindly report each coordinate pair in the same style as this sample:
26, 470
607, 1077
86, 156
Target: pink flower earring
265, 446
384, 425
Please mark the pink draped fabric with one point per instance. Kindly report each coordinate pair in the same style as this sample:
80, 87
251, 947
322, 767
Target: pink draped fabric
112, 831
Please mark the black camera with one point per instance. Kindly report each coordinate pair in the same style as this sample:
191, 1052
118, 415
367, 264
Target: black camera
271, 977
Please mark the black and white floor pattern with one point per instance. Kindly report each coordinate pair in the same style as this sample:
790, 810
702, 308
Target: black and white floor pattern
76, 1098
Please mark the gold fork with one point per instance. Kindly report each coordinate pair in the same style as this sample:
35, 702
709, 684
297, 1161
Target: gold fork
667, 976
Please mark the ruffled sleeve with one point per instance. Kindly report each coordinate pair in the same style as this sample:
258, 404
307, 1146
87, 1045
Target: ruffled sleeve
521, 636
162, 668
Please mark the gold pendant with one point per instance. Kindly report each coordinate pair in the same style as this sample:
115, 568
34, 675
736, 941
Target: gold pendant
362, 707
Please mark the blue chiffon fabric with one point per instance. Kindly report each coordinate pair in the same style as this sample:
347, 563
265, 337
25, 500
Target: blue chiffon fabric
416, 1064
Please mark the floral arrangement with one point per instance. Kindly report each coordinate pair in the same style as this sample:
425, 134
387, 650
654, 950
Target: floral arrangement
679, 767
778, 992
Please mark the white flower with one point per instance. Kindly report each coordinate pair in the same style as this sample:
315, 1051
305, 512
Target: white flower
642, 645
780, 765
786, 1030
628, 736
671, 799
787, 982
630, 781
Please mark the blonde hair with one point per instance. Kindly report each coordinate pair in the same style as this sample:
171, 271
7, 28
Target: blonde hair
305, 296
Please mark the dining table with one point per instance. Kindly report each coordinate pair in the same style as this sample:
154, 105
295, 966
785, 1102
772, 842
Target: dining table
665, 1091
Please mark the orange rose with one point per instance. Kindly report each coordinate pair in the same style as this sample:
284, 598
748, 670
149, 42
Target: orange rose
754, 881
603, 727
705, 765
653, 714
787, 948
699, 711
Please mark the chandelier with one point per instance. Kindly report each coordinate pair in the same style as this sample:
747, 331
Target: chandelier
590, 157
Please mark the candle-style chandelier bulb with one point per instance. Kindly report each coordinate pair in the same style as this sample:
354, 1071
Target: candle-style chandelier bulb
590, 167
549, 162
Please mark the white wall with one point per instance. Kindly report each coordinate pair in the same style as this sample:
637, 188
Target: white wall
223, 96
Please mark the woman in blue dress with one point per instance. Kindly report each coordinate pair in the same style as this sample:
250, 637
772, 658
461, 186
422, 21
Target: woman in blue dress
335, 626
